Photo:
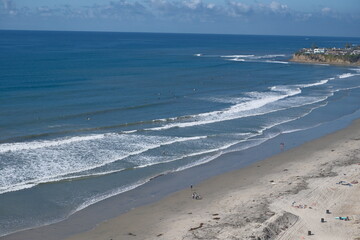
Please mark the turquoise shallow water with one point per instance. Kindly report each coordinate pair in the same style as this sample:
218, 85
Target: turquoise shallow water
86, 116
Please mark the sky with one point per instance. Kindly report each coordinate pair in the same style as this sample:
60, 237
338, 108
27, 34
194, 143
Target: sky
261, 17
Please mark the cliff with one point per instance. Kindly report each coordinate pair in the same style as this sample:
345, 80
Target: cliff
327, 58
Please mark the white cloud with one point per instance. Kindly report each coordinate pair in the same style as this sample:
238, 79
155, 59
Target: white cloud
276, 7
193, 4
211, 6
239, 8
326, 10
8, 7
7, 4
177, 12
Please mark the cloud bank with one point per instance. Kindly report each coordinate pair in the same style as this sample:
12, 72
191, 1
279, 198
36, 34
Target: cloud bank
181, 16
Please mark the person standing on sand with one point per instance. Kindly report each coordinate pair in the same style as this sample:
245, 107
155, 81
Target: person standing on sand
282, 146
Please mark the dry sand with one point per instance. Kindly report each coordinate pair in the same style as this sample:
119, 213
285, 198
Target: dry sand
282, 197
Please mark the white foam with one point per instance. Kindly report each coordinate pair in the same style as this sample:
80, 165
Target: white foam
79, 176
273, 61
198, 55
251, 142
226, 99
274, 55
322, 82
147, 161
321, 64
243, 109
220, 151
254, 58
237, 59
104, 196
346, 75
287, 120
348, 88
240, 58
355, 69
54, 162
13, 147
299, 101
130, 131
17, 187
300, 129
269, 56
237, 56
194, 154
199, 162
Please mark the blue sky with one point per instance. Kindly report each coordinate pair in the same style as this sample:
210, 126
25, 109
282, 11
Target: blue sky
275, 17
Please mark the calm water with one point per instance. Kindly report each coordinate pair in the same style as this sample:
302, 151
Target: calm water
85, 116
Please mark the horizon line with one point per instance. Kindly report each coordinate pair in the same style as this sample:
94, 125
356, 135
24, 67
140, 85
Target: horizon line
189, 33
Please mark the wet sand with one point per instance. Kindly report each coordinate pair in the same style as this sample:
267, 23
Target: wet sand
282, 197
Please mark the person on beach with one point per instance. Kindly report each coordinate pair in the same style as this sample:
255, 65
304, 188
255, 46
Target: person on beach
194, 195
282, 146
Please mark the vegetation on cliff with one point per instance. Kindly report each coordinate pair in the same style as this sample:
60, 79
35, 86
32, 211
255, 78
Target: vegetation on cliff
347, 55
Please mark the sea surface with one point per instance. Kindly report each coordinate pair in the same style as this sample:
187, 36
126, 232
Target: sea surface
85, 116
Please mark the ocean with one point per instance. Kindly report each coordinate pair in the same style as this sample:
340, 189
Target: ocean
88, 115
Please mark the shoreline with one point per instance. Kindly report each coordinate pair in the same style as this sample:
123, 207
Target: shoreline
283, 196
167, 185
306, 61
226, 198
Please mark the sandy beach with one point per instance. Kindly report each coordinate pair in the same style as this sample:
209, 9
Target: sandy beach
282, 197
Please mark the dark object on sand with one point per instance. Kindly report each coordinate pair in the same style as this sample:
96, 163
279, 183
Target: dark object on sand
192, 229
309, 233
327, 212
196, 196
322, 220
344, 183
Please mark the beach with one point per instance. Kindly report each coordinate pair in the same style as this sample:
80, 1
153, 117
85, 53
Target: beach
282, 197
141, 124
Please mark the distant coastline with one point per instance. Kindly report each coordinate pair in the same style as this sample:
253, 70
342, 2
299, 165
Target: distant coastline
336, 56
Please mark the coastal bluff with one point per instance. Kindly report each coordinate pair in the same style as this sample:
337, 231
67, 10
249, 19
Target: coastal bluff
335, 56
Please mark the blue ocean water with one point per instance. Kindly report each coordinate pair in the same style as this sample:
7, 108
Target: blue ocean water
86, 116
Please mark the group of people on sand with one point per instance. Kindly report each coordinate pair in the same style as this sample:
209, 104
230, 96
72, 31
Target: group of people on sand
343, 218
299, 206
195, 195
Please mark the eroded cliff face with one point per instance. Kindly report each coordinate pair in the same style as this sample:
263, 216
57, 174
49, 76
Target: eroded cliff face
321, 58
